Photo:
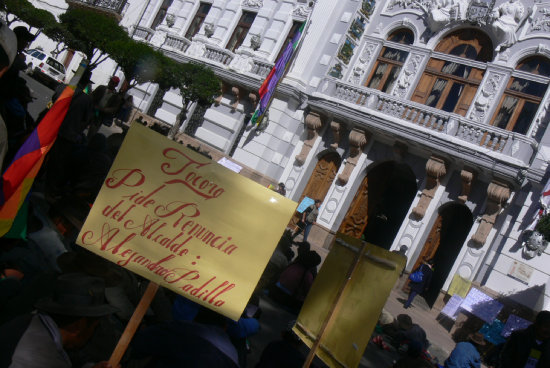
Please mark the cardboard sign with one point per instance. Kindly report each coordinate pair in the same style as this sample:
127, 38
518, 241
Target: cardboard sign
459, 286
353, 319
181, 220
481, 305
451, 308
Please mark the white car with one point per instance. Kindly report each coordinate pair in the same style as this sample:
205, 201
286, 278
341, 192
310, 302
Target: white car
44, 68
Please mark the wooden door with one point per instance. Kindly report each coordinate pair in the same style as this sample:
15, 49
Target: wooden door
432, 243
356, 220
321, 179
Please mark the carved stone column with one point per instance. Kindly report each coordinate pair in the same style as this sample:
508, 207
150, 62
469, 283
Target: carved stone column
497, 195
435, 170
335, 127
467, 176
357, 141
313, 125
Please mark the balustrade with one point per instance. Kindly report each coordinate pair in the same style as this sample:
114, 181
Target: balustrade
176, 42
221, 56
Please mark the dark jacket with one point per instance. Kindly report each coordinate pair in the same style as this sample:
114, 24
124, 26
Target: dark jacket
423, 285
518, 347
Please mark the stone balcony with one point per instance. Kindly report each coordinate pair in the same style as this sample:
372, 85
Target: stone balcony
111, 7
416, 121
143, 33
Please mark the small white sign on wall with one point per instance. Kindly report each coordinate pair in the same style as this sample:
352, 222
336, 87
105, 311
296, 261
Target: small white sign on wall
521, 272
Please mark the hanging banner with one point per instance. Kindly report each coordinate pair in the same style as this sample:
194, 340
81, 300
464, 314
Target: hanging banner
459, 286
185, 222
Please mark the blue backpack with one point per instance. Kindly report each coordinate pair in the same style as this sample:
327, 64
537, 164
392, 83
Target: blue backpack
416, 276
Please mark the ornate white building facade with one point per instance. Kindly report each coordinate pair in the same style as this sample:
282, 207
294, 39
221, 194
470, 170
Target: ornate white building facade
419, 123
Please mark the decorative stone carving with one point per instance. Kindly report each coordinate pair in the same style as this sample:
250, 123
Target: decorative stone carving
170, 20
253, 3
236, 91
224, 88
541, 23
438, 13
196, 49
335, 127
253, 98
534, 245
467, 177
208, 29
360, 66
255, 42
357, 141
408, 75
506, 20
486, 97
301, 11
313, 124
497, 195
435, 170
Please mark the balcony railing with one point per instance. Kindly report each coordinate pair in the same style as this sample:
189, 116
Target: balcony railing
177, 42
218, 55
261, 68
112, 5
143, 33
485, 136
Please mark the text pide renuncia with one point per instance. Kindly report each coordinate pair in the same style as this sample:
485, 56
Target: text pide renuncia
168, 224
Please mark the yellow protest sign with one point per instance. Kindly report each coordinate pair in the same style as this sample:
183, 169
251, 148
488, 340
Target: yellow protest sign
459, 286
181, 220
368, 274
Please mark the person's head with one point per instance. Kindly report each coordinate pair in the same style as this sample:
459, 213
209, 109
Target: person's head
281, 185
8, 47
430, 262
476, 339
542, 325
77, 304
113, 82
318, 203
404, 322
24, 37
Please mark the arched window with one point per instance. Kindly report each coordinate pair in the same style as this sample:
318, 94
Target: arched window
448, 83
390, 61
522, 97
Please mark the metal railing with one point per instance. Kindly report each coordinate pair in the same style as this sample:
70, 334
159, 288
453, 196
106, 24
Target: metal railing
114, 5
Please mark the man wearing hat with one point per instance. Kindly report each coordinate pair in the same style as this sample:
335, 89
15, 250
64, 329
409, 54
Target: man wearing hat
64, 322
107, 102
466, 354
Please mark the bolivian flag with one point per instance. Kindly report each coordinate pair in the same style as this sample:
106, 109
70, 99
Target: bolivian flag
19, 177
275, 75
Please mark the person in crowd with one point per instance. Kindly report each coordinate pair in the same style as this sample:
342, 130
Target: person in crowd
282, 353
107, 102
281, 189
295, 281
70, 136
64, 322
8, 51
420, 281
466, 353
529, 348
201, 343
308, 219
413, 358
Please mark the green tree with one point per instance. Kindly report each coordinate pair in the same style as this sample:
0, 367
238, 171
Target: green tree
139, 62
92, 33
197, 83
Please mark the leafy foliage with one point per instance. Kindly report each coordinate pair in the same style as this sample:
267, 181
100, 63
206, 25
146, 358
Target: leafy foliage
543, 226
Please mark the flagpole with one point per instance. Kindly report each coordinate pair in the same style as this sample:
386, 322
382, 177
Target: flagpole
287, 67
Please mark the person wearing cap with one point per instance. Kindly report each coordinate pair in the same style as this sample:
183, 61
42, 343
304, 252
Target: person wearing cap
309, 218
107, 102
528, 348
63, 322
466, 353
